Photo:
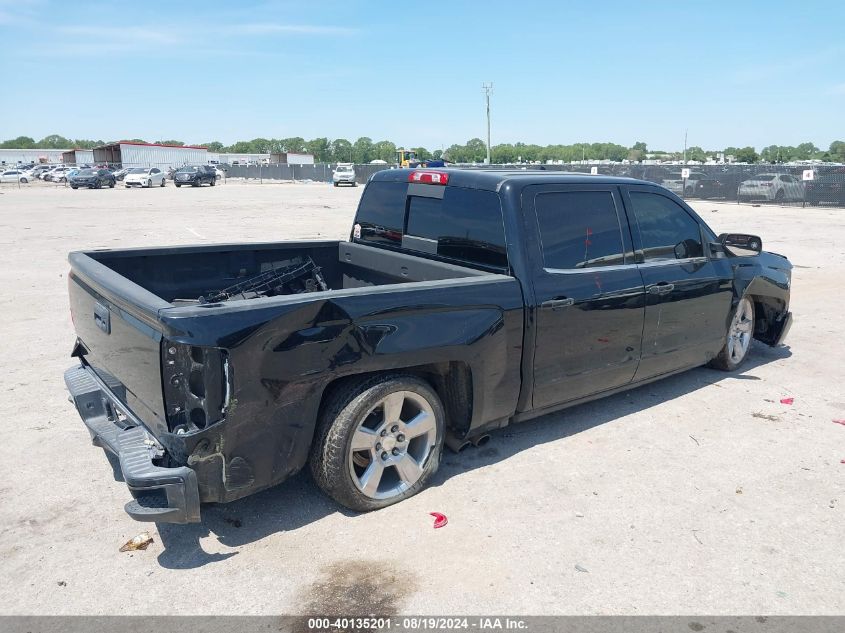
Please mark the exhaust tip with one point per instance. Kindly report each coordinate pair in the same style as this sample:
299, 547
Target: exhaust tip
456, 445
481, 440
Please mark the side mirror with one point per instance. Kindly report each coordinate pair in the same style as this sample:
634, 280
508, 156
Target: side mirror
740, 244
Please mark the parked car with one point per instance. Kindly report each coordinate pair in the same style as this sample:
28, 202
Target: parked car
40, 170
48, 174
721, 184
219, 172
120, 174
215, 371
675, 183
144, 177
772, 187
344, 174
827, 188
93, 179
14, 175
195, 176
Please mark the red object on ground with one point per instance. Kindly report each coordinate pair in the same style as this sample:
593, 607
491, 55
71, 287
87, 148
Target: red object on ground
439, 519
787, 400
842, 422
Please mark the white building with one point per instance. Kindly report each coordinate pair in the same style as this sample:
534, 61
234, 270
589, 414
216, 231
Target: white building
10, 157
135, 154
78, 157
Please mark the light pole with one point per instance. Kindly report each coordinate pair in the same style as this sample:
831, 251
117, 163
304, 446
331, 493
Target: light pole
488, 88
685, 146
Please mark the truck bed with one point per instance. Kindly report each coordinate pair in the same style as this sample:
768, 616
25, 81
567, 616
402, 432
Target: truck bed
181, 275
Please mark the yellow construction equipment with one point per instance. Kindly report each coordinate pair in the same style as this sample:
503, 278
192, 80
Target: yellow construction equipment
407, 158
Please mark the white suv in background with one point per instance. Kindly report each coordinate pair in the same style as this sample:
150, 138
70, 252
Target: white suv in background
344, 173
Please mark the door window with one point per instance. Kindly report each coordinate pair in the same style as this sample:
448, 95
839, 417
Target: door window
667, 231
579, 229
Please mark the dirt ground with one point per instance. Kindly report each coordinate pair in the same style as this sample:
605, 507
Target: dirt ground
700, 494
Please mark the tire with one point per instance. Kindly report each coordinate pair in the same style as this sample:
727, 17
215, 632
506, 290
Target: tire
163, 180
128, 186
99, 185
112, 183
213, 182
24, 181
74, 187
356, 411
335, 184
178, 185
149, 184
737, 346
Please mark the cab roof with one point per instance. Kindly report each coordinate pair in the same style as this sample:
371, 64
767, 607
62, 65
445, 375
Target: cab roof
495, 179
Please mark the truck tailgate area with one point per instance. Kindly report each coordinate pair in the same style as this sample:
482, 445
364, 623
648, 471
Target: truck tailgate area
119, 340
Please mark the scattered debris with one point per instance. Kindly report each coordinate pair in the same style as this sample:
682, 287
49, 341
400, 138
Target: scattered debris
842, 422
234, 522
62, 583
580, 515
739, 490
787, 400
842, 461
694, 533
579, 568
695, 440
763, 416
141, 541
439, 519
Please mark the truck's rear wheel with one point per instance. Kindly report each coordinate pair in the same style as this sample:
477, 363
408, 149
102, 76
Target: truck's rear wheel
378, 441
739, 337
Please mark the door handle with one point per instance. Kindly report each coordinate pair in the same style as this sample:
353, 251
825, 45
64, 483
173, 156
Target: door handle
560, 302
661, 289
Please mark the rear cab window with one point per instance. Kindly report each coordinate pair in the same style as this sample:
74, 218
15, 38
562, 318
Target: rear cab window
459, 225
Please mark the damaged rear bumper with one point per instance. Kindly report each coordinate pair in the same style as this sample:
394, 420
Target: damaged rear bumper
163, 495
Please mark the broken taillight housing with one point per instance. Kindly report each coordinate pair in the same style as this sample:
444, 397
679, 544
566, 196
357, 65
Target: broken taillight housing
197, 386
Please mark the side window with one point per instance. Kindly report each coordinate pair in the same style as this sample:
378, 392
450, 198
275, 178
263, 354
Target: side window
466, 224
155, 171
381, 213
667, 231
579, 229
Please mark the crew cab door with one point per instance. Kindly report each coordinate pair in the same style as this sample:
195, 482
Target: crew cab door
588, 290
688, 294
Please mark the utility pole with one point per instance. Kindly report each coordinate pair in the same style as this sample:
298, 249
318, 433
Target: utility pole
488, 89
685, 145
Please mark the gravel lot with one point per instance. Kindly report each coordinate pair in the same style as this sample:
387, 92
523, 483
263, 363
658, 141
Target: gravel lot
700, 494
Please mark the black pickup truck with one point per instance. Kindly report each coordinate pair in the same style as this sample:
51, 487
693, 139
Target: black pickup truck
463, 301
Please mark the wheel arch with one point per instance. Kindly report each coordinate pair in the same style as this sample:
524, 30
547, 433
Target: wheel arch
450, 380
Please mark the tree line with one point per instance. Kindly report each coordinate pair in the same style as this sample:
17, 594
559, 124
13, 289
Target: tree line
364, 150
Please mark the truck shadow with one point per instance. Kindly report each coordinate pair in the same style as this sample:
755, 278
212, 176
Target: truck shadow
298, 501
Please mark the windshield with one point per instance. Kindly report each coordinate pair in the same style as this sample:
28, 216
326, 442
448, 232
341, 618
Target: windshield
344, 169
138, 170
186, 169
765, 178
85, 172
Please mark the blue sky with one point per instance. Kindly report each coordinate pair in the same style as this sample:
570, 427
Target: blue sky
733, 73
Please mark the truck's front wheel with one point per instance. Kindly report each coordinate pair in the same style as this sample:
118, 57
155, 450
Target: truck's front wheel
378, 441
